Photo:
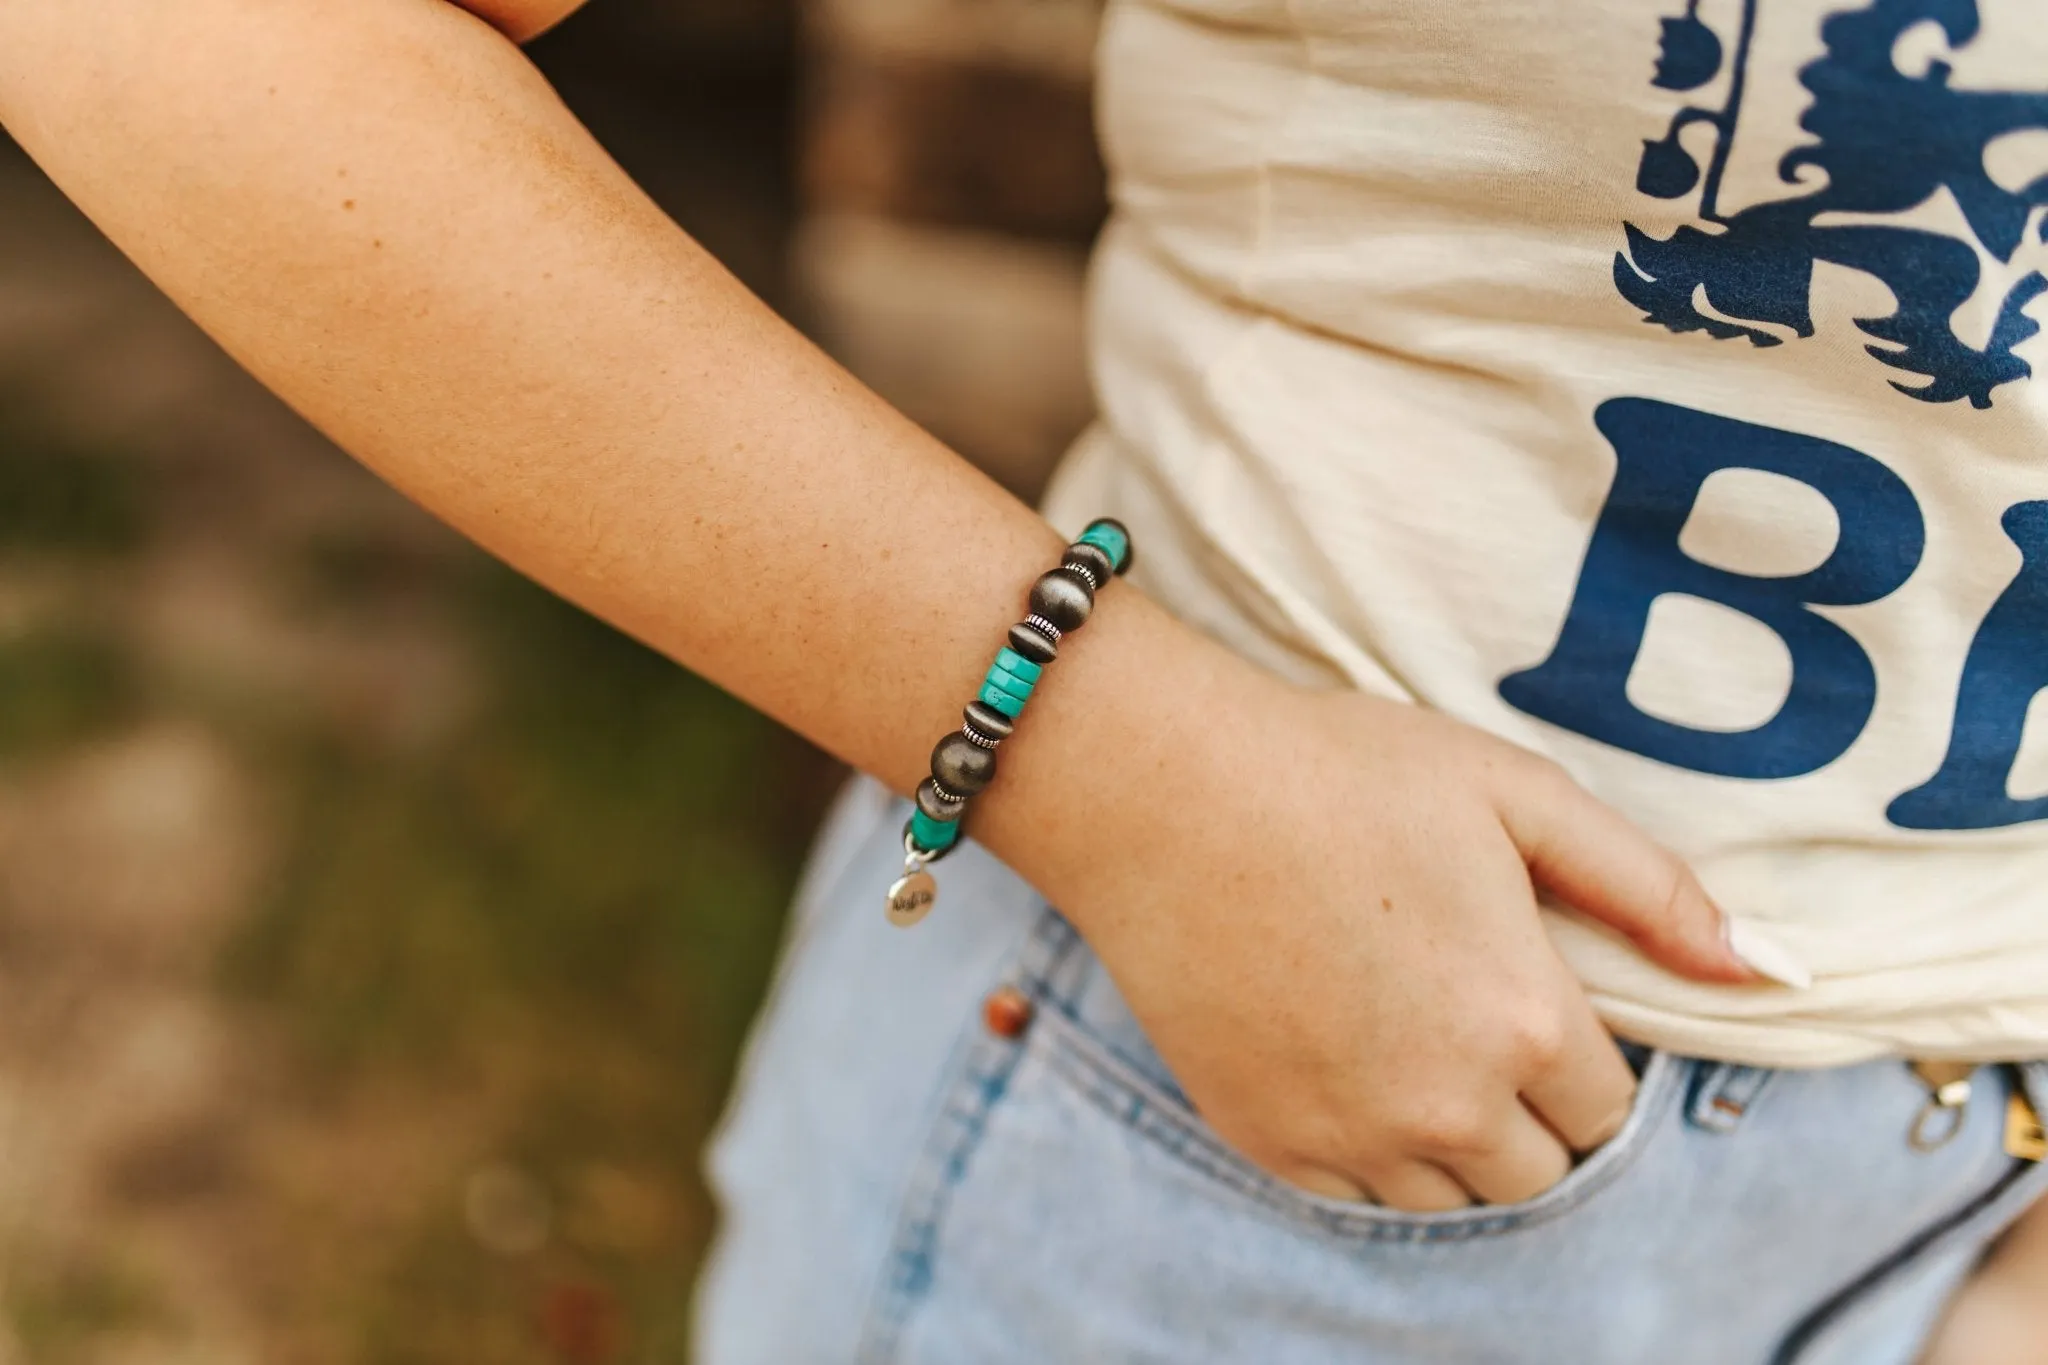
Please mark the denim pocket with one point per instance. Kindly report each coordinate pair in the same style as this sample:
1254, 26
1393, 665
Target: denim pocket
1067, 1207
1097, 1048
1162, 1116
1066, 1203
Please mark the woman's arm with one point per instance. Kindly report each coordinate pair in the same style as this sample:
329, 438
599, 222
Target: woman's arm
383, 211
1319, 906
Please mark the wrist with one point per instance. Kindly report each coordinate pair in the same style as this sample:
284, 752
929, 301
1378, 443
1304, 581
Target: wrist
1120, 752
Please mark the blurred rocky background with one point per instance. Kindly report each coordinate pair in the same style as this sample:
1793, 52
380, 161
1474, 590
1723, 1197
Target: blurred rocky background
951, 188
377, 934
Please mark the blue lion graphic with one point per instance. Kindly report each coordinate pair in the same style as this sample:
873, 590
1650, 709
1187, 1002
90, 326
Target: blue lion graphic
1886, 141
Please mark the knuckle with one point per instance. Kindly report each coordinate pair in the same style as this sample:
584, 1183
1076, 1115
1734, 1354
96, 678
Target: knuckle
1537, 1042
1545, 777
1526, 1033
1449, 1127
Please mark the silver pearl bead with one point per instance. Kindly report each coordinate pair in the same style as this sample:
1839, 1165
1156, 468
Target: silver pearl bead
962, 766
1062, 599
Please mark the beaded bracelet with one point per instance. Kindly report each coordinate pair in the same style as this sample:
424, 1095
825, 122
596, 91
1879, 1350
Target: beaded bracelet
964, 763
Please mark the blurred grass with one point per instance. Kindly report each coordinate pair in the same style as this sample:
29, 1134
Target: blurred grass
60, 1312
609, 839
546, 927
61, 684
57, 496
63, 680
538, 935
581, 889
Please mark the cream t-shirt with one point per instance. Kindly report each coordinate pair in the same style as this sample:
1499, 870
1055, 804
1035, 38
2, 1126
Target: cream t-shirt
1651, 384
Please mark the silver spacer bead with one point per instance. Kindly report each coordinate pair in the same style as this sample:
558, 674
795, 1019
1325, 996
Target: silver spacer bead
1044, 627
978, 737
1084, 573
945, 795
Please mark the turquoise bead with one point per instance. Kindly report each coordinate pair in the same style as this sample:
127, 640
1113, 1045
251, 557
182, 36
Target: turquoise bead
1110, 540
1018, 664
933, 835
998, 676
1006, 702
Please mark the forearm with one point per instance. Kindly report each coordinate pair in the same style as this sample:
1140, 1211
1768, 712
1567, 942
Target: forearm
382, 210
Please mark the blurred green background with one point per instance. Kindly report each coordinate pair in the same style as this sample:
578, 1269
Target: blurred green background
377, 933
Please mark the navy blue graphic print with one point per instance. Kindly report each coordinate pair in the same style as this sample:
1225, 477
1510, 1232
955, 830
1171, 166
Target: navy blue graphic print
1664, 454
1886, 141
2007, 665
1891, 135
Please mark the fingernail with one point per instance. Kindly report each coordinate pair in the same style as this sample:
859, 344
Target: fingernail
1764, 955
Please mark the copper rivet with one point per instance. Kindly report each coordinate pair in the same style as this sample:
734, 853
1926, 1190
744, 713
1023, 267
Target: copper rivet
1007, 1012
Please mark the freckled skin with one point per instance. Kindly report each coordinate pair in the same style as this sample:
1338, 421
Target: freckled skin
508, 330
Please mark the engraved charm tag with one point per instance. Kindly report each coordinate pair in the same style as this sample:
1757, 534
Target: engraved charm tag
912, 898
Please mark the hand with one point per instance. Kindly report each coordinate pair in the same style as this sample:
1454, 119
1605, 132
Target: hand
1328, 927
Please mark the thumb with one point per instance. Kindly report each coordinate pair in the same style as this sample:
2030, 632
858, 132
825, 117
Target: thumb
1585, 852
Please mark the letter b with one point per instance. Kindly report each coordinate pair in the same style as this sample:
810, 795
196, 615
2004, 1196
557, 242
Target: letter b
1664, 454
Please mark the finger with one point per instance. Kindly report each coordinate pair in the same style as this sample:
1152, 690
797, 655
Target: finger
1416, 1187
1328, 1184
1588, 854
1585, 1094
1523, 1161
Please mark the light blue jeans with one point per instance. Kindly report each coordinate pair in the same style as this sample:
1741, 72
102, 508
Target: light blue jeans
902, 1185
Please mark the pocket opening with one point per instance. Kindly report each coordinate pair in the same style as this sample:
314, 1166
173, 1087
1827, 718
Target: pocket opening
1133, 1099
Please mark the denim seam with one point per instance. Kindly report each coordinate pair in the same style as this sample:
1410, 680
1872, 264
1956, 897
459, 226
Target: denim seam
1066, 978
1133, 1101
979, 1082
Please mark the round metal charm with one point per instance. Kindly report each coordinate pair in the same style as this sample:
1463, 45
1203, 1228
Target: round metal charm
912, 898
